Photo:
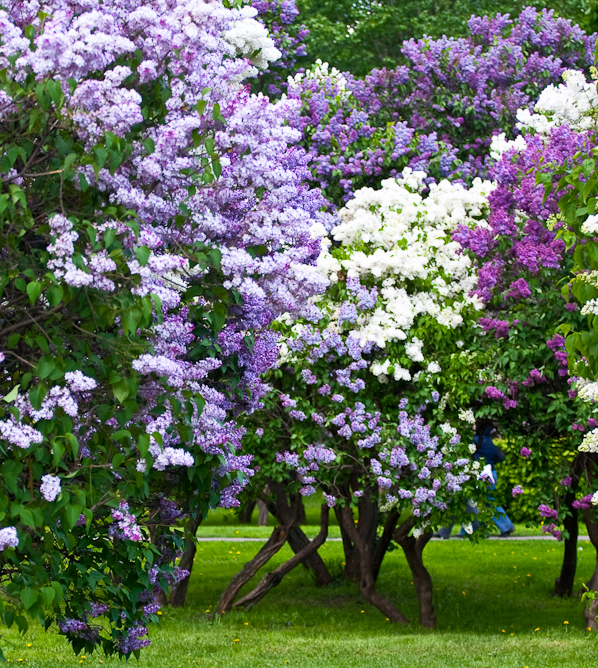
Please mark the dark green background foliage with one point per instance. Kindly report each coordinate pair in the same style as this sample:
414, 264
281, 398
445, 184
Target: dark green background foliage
358, 35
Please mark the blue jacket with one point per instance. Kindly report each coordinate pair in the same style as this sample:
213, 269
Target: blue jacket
491, 453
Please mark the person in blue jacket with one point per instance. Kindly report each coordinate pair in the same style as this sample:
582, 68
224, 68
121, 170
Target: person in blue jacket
491, 454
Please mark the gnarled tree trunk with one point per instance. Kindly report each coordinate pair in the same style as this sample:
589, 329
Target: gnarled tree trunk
179, 591
280, 508
367, 527
589, 613
384, 541
367, 582
246, 512
272, 546
563, 585
422, 581
274, 578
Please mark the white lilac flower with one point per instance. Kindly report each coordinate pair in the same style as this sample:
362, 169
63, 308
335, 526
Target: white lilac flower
590, 442
590, 225
50, 487
8, 538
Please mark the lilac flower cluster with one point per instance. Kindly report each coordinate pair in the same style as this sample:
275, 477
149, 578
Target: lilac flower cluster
584, 503
8, 538
494, 393
557, 345
50, 487
125, 524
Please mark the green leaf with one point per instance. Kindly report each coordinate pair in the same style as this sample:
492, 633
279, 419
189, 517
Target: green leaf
73, 512
54, 295
142, 253
149, 145
121, 390
48, 595
34, 290
57, 452
218, 316
12, 395
28, 597
46, 366
143, 445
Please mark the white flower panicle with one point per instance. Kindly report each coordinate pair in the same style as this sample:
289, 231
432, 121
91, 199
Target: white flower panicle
500, 144
320, 71
590, 225
590, 442
587, 391
402, 240
590, 307
573, 103
250, 39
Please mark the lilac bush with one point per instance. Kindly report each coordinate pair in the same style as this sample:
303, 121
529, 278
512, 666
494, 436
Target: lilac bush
439, 111
154, 223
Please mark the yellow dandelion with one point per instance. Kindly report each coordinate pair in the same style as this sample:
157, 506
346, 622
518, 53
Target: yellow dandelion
236, 640
537, 629
503, 631
363, 611
246, 623
28, 644
565, 622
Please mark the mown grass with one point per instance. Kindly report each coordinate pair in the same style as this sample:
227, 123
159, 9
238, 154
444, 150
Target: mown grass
493, 601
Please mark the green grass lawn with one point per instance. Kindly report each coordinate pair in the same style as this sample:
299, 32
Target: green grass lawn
493, 602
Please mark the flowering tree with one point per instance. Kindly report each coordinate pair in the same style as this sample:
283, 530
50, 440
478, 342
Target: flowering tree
151, 230
388, 326
575, 104
523, 257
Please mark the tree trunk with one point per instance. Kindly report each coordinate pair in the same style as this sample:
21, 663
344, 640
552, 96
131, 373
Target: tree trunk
262, 517
563, 585
367, 583
384, 541
274, 578
179, 591
352, 569
246, 512
367, 527
272, 546
298, 541
422, 581
281, 510
589, 613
